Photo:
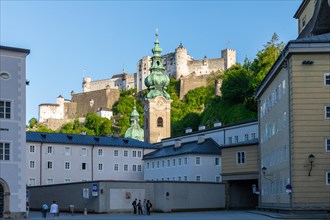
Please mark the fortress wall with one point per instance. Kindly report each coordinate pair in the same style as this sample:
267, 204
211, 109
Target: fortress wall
101, 98
50, 111
189, 83
102, 84
70, 110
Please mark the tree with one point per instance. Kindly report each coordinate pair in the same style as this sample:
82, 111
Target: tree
33, 122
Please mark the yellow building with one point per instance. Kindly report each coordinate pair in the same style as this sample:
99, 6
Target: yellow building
294, 118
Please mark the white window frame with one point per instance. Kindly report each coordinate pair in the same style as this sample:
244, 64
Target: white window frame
174, 162
326, 112
116, 167
4, 110
253, 135
134, 168
240, 157
325, 79
84, 152
185, 161
198, 178
236, 139
3, 155
198, 161
100, 152
179, 161
32, 149
327, 178
67, 165
327, 144
217, 161
246, 136
82, 166
115, 153
67, 180
49, 165
125, 153
100, 166
168, 163
134, 153
230, 140
50, 150
32, 164
32, 181
125, 167
67, 151
139, 153
163, 163
139, 168
50, 181
185, 178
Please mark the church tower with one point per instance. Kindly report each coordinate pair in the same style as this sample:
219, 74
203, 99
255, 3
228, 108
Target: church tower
157, 106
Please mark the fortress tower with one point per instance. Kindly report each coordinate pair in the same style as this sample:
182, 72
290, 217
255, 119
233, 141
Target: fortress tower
182, 58
229, 57
157, 106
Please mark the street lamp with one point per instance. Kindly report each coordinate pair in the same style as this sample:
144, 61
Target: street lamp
311, 159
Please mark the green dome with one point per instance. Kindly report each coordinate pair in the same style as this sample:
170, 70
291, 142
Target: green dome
157, 81
135, 131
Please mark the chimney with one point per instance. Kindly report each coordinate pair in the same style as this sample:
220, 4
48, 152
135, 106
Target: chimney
177, 143
201, 127
83, 133
188, 130
201, 139
217, 124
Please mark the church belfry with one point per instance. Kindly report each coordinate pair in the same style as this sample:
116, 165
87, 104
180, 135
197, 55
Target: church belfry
157, 105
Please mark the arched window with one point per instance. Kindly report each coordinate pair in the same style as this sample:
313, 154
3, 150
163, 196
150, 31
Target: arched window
159, 122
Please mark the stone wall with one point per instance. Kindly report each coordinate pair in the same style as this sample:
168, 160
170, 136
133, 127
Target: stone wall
192, 82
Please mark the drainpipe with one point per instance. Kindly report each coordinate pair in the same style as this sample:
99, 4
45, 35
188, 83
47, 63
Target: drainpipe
259, 159
289, 126
40, 171
92, 162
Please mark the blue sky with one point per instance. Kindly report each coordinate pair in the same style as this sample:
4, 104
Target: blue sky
66, 37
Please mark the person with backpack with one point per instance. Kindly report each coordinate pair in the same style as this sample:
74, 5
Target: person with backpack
149, 206
134, 204
44, 210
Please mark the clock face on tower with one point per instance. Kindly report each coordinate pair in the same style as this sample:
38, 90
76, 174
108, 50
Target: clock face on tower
160, 102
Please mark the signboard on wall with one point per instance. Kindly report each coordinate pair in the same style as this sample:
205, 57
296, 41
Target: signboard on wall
95, 189
85, 192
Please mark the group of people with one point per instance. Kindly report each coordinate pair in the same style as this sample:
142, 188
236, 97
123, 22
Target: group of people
142, 208
53, 210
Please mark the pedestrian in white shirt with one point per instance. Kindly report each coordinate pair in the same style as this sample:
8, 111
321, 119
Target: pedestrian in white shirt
54, 210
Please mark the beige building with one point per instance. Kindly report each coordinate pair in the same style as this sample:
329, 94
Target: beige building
294, 118
240, 172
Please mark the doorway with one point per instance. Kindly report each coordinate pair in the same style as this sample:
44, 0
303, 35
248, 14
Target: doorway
2, 200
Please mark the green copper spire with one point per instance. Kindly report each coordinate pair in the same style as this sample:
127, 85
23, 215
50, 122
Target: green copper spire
135, 131
157, 81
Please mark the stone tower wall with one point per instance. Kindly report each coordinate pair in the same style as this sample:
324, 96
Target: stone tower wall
182, 58
229, 57
143, 71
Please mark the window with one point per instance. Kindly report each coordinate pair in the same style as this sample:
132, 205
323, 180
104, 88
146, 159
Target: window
49, 149
185, 178
4, 75
240, 157
303, 22
32, 182
139, 153
50, 181
5, 107
100, 152
32, 149
198, 161
179, 178
32, 164
327, 112
217, 161
253, 135
134, 153
153, 164
139, 168
236, 139
125, 167
115, 153
217, 179
179, 161
67, 151
67, 180
168, 163
157, 164
173, 162
125, 153
230, 140
246, 137
134, 167
163, 163
83, 166
159, 122
116, 167
49, 165
185, 161
4, 151
148, 165
100, 166
327, 144
327, 79
328, 178
198, 178
84, 151
67, 165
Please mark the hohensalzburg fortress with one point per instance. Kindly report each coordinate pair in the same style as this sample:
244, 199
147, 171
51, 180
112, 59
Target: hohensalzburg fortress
99, 95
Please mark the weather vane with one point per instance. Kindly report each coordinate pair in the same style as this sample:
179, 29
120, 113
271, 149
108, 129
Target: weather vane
156, 32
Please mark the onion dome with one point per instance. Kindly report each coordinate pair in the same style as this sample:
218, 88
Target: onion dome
135, 131
157, 81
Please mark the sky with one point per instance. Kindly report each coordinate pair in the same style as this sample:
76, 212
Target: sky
72, 39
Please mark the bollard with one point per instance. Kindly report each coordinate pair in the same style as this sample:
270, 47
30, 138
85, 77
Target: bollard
85, 211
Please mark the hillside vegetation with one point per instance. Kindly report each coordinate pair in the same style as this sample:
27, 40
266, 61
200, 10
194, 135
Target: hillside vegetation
199, 106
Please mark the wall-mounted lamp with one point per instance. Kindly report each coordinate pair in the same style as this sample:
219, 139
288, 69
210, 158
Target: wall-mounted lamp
264, 170
311, 159
307, 62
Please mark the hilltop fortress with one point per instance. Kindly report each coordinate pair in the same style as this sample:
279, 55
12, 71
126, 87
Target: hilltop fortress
100, 95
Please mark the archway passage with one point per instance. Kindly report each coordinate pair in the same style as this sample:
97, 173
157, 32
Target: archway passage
2, 201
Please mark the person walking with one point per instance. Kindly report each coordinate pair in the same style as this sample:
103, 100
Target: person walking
54, 210
134, 204
44, 210
149, 206
139, 205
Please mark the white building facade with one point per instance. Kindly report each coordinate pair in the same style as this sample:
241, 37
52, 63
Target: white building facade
54, 158
12, 132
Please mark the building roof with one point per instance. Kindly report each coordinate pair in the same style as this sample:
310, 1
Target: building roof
60, 138
21, 50
209, 147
